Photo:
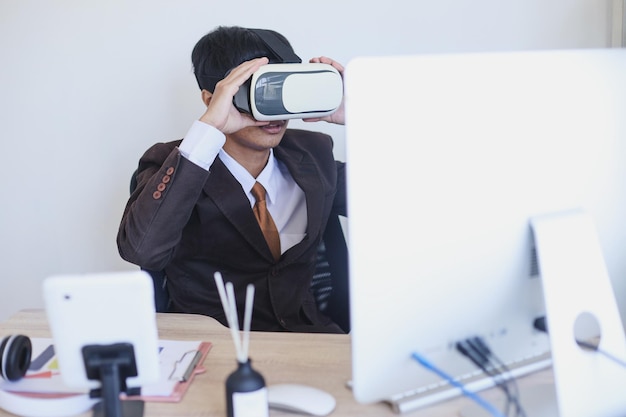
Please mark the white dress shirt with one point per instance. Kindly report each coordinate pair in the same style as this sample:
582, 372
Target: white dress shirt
286, 201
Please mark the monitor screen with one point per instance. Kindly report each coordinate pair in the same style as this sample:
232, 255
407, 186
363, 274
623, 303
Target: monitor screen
449, 157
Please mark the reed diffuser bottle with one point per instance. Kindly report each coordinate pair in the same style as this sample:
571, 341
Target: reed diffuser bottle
246, 393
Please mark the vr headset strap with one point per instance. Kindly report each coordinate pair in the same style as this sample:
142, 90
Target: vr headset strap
277, 46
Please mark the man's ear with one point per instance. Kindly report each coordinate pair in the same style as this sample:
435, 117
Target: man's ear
206, 97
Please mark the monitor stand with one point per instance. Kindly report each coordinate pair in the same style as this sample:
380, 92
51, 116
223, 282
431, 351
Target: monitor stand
579, 301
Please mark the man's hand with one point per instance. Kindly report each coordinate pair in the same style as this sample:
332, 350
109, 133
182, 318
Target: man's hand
221, 113
338, 117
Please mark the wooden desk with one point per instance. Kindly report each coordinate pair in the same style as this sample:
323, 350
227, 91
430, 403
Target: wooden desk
319, 360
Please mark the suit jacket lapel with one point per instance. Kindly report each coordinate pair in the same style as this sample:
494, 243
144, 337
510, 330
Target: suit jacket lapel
306, 175
221, 186
225, 191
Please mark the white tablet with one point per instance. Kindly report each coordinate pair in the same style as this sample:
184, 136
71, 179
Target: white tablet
102, 309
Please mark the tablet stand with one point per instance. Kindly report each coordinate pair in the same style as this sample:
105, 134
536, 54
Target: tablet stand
111, 365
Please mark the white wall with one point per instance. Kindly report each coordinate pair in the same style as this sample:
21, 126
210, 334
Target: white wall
87, 86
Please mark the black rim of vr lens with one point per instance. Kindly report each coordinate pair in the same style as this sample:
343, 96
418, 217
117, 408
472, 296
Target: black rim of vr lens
15, 355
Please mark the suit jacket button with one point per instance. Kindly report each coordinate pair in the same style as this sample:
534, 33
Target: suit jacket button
166, 179
156, 195
170, 171
161, 187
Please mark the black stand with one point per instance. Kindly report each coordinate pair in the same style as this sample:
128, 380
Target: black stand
112, 364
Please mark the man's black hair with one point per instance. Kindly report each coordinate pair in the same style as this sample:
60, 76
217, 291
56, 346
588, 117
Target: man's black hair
226, 47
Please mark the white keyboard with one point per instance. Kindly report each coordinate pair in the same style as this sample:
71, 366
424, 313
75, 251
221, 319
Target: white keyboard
475, 381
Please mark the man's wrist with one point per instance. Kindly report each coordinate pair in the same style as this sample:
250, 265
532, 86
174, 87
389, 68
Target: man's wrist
202, 144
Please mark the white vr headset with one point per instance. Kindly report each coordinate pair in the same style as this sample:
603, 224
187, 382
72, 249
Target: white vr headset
286, 88
291, 91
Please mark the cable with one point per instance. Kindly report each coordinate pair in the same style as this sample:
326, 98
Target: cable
540, 324
478, 352
495, 362
482, 361
472, 395
592, 346
510, 381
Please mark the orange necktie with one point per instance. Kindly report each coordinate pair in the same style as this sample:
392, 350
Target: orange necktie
265, 220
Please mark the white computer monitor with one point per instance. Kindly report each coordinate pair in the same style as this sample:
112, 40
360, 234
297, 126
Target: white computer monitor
449, 158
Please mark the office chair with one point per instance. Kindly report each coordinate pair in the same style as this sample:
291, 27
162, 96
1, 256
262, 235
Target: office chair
330, 280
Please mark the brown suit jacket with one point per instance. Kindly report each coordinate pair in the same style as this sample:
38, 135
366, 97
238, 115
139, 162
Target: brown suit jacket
192, 223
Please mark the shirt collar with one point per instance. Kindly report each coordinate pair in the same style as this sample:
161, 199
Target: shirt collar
267, 177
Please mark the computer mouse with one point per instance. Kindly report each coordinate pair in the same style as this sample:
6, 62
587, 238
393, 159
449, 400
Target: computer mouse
302, 399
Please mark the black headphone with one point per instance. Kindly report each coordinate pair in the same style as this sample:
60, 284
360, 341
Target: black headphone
15, 353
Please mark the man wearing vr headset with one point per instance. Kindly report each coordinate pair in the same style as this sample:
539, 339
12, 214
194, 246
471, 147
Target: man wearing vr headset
191, 213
